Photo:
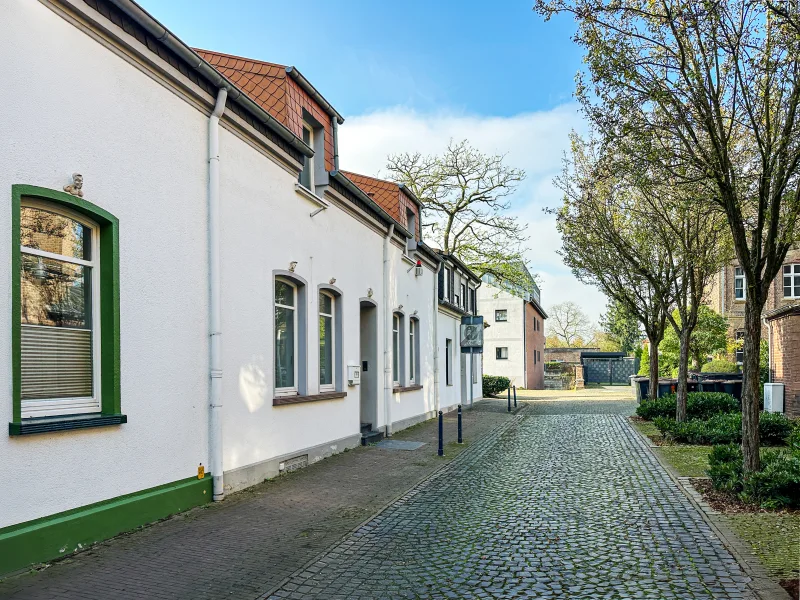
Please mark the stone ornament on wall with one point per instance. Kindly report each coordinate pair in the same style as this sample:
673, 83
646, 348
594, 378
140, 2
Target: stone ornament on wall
76, 187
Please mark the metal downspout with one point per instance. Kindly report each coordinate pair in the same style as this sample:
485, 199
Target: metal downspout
335, 128
215, 300
387, 328
436, 339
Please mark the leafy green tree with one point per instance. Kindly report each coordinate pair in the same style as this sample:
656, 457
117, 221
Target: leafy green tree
466, 197
621, 327
709, 337
716, 86
608, 243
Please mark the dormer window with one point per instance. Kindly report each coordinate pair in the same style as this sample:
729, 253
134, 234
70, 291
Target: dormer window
411, 223
306, 178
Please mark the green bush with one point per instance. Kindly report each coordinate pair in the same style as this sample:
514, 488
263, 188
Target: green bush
699, 405
494, 384
725, 468
719, 366
774, 429
777, 484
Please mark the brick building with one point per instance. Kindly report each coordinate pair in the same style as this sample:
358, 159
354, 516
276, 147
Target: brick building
783, 326
728, 288
781, 320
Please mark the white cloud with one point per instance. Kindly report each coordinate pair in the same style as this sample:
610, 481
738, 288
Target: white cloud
534, 141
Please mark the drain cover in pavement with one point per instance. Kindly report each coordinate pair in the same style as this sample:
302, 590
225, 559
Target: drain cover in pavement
399, 445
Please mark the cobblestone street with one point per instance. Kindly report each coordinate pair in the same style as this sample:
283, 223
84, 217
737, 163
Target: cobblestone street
556, 505
562, 500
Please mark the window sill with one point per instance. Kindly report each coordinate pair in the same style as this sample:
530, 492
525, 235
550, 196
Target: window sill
284, 400
399, 389
309, 195
63, 423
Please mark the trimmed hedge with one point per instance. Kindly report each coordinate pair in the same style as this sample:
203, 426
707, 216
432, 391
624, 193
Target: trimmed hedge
776, 485
774, 429
699, 405
719, 366
494, 384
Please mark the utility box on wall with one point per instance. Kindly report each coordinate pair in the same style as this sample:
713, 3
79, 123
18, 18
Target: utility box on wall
353, 375
773, 397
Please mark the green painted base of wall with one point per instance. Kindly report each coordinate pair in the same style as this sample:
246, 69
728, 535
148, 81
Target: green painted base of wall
58, 535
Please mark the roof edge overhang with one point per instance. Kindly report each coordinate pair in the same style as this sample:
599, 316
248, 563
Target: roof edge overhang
404, 188
361, 195
309, 89
196, 62
459, 263
430, 252
538, 307
783, 311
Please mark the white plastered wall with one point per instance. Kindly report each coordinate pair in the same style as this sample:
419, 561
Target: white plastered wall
74, 106
77, 106
266, 226
503, 334
414, 294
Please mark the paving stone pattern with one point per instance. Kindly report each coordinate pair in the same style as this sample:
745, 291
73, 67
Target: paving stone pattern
253, 540
554, 506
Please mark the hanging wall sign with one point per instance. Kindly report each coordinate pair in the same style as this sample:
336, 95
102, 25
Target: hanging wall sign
472, 335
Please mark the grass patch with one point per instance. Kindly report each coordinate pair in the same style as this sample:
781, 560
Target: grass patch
647, 429
688, 461
774, 538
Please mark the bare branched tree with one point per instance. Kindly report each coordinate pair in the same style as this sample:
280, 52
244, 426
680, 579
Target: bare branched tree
466, 197
569, 323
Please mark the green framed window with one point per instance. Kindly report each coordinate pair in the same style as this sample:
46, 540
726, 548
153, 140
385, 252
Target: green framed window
65, 312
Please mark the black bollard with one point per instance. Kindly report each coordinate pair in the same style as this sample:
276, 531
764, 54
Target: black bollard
515, 396
441, 435
509, 399
460, 438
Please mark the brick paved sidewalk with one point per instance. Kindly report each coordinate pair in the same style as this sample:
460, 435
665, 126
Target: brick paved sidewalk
253, 540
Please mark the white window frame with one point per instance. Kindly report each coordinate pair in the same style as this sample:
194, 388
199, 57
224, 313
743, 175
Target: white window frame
307, 127
78, 405
448, 361
498, 353
447, 272
738, 275
329, 387
739, 354
287, 391
463, 296
397, 363
793, 275
412, 353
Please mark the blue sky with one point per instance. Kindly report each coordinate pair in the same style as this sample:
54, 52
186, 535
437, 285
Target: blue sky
496, 58
410, 75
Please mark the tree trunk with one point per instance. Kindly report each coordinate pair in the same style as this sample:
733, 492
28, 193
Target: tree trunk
697, 362
751, 383
653, 387
683, 374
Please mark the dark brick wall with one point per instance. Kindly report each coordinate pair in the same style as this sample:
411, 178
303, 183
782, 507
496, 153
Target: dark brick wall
785, 366
534, 348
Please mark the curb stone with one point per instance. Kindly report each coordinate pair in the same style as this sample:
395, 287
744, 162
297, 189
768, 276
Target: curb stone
761, 584
479, 446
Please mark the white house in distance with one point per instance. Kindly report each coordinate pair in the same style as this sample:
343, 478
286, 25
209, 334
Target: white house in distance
514, 340
210, 302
